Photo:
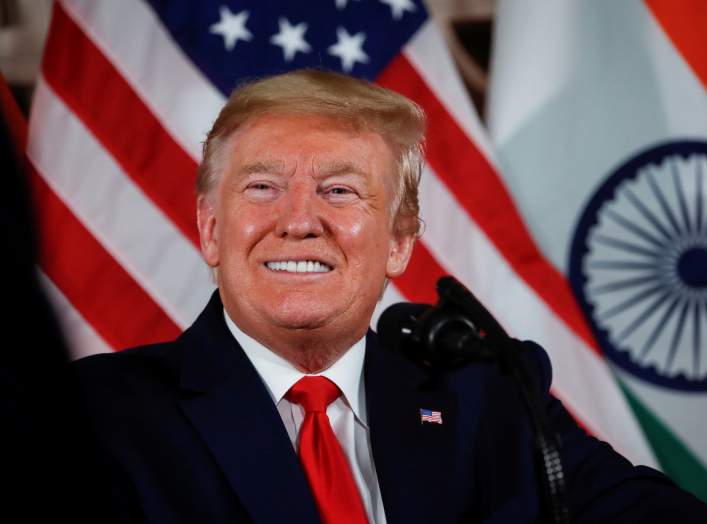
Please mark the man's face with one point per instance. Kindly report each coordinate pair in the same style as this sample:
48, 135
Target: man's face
299, 225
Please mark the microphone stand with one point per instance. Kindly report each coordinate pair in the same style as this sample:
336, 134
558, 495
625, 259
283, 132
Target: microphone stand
459, 329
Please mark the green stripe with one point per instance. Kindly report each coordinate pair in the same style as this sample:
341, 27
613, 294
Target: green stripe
677, 461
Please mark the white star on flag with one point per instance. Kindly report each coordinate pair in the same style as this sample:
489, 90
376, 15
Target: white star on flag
349, 48
231, 27
398, 7
291, 39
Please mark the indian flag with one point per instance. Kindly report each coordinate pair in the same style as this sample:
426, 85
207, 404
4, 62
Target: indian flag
598, 116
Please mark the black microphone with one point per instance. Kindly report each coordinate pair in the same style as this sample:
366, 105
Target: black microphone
460, 329
439, 337
397, 323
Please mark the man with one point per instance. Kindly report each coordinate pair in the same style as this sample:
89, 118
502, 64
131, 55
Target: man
307, 204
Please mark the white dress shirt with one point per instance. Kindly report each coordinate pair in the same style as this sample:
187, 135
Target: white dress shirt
347, 414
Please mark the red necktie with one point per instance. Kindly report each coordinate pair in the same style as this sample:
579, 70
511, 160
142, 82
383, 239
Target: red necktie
324, 462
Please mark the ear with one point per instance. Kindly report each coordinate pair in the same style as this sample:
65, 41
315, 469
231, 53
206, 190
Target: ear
401, 245
208, 230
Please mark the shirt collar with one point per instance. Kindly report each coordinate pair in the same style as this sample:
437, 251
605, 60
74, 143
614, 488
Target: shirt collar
279, 375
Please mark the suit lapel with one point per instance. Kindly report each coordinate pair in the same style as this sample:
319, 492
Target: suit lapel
414, 460
228, 404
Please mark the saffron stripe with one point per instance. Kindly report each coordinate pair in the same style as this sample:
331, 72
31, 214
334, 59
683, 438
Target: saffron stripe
119, 119
685, 23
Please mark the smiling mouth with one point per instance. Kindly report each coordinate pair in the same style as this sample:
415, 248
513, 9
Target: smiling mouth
298, 266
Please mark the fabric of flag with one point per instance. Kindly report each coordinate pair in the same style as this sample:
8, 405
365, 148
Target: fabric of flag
431, 417
598, 115
128, 90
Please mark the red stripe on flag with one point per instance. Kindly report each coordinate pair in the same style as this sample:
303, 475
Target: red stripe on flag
417, 284
119, 119
685, 23
98, 287
475, 185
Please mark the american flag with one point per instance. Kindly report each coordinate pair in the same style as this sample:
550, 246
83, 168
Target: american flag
433, 417
128, 90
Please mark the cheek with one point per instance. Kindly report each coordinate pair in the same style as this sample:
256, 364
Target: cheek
248, 229
241, 229
366, 225
355, 230
365, 242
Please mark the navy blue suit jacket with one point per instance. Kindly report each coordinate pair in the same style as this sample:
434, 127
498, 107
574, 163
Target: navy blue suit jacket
190, 434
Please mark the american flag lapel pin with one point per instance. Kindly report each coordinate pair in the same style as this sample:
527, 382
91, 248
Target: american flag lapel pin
430, 417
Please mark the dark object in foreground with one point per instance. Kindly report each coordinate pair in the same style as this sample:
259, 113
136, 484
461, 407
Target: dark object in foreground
459, 330
49, 469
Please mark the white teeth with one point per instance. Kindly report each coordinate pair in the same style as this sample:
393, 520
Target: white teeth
301, 266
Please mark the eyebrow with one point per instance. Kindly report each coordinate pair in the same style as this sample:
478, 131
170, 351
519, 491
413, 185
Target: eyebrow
262, 167
326, 170
341, 168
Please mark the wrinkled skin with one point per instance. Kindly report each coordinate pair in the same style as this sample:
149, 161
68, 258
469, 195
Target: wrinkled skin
302, 187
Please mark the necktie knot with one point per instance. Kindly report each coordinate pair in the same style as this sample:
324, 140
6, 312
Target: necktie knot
327, 469
313, 393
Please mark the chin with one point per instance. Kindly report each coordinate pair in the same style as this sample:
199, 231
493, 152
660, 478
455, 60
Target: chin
303, 314
300, 322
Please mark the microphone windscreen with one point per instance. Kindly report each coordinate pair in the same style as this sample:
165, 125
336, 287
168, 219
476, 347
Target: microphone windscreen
397, 322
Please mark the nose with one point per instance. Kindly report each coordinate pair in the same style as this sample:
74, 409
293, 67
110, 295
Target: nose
298, 212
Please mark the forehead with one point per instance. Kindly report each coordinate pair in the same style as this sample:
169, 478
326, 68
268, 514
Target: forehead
322, 140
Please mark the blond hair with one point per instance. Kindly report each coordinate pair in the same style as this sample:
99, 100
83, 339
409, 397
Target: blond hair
349, 101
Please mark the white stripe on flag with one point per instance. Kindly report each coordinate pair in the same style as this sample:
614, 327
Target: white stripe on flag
169, 84
566, 133
165, 79
484, 270
582, 379
592, 108
545, 61
134, 231
675, 409
682, 95
80, 336
428, 54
